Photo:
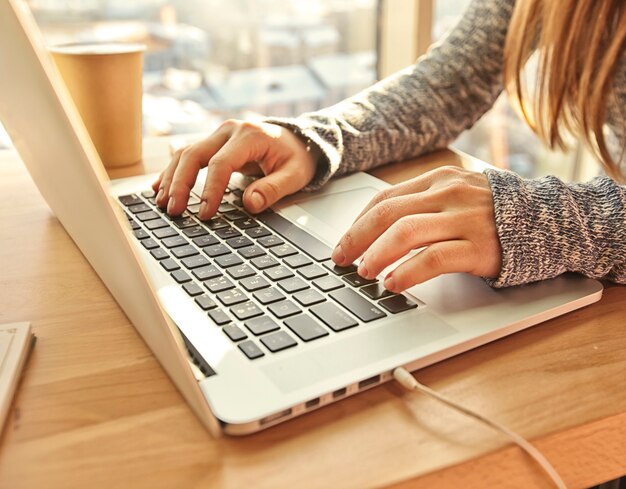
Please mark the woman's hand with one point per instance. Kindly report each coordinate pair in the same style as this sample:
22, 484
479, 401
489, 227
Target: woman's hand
238, 146
448, 212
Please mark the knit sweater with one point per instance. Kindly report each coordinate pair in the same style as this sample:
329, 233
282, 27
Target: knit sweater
545, 227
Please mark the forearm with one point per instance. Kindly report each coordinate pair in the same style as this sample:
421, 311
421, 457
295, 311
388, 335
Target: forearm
420, 109
547, 228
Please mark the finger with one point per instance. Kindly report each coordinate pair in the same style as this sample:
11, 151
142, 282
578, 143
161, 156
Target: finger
266, 191
376, 221
192, 159
231, 156
436, 259
165, 179
403, 236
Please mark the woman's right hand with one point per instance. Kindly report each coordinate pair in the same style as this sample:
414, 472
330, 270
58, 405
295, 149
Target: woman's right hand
281, 156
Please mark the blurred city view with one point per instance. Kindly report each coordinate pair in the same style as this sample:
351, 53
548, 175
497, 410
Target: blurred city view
208, 60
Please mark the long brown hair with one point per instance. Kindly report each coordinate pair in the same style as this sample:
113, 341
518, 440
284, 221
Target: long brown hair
579, 44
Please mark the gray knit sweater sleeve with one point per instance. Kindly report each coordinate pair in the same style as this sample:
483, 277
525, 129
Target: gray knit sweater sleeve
545, 227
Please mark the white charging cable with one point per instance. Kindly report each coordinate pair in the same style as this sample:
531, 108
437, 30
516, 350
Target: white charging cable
409, 382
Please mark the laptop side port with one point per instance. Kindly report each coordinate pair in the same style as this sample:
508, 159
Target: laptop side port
312, 403
339, 393
365, 383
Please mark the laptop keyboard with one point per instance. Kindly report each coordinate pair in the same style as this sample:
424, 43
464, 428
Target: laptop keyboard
267, 283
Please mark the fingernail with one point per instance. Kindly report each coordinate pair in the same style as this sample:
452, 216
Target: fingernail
390, 284
159, 195
203, 208
257, 201
170, 204
338, 256
362, 270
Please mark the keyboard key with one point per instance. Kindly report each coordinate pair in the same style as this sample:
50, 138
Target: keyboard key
216, 250
195, 231
133, 224
357, 305
293, 284
226, 208
216, 223
207, 272
193, 199
278, 341
218, 284
205, 302
283, 309
184, 251
305, 327
297, 261
232, 297
261, 325
193, 289
159, 254
219, 317
137, 208
257, 232
246, 310
156, 224
250, 349
234, 333
269, 241
141, 234
246, 223
149, 243
163, 233
356, 280
239, 242
268, 296
311, 272
263, 262
184, 222
180, 276
193, 208
398, 303
170, 265
337, 270
148, 194
204, 241
129, 200
251, 252
299, 237
254, 283
328, 283
333, 317
283, 250
174, 241
147, 216
278, 273
226, 233
235, 215
241, 271
375, 291
196, 261
229, 260
309, 297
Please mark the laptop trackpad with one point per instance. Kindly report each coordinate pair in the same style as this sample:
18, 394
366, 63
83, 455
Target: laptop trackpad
355, 351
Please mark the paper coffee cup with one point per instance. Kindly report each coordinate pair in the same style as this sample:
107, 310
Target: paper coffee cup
105, 83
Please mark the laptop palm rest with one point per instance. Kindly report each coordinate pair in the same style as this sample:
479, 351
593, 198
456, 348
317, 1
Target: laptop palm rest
357, 351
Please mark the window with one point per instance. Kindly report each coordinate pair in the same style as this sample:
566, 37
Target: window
208, 60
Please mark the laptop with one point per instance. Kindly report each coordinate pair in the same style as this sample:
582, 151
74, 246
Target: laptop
247, 314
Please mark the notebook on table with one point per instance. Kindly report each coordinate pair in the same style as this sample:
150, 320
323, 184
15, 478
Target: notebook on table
247, 314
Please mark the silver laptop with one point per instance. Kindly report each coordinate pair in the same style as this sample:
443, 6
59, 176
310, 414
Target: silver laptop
247, 314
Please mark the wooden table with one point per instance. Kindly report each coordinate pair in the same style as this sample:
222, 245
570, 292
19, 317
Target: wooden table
95, 409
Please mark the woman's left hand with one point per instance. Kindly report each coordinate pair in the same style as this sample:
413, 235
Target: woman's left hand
448, 212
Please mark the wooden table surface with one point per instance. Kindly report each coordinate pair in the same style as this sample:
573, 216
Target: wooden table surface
95, 409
